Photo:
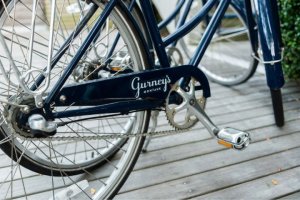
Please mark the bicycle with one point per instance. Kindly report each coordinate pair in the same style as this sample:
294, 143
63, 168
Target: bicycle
79, 140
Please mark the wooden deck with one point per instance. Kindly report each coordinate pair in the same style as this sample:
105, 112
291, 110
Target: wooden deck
193, 165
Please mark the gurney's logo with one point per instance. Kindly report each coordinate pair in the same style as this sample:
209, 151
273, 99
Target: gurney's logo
149, 86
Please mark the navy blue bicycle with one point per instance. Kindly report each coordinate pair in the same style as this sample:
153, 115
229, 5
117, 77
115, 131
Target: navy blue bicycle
80, 81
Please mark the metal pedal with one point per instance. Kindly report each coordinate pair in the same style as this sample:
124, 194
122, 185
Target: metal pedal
233, 138
154, 115
229, 137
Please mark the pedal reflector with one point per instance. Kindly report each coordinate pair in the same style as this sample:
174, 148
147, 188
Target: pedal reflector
226, 144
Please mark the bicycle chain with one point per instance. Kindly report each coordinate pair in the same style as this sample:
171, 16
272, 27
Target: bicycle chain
106, 136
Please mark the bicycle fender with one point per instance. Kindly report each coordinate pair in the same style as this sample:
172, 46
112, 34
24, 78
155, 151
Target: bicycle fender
271, 44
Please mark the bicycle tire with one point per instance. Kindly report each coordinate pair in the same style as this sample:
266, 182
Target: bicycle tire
227, 61
16, 149
277, 107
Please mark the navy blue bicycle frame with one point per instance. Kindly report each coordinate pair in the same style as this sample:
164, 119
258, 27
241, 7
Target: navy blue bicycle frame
270, 52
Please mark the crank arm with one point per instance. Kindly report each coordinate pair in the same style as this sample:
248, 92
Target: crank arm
229, 137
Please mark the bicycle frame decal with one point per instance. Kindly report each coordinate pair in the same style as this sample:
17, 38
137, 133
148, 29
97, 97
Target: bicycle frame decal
149, 86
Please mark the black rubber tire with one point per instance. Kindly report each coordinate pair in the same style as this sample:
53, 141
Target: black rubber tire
277, 106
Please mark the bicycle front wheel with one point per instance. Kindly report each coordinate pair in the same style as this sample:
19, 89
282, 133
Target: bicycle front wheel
228, 59
50, 168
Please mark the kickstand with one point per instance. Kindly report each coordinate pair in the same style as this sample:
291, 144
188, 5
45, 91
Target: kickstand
154, 115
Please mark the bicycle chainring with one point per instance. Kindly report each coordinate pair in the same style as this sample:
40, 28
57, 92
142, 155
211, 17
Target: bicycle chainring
178, 115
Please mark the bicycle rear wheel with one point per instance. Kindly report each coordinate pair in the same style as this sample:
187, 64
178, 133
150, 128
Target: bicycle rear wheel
228, 59
81, 168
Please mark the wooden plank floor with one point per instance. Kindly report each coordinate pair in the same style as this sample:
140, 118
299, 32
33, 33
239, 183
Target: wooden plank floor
193, 165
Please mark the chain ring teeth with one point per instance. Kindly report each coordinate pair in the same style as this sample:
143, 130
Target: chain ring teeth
170, 111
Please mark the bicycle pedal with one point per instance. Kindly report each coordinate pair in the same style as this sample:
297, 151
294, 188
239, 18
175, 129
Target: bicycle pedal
233, 138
